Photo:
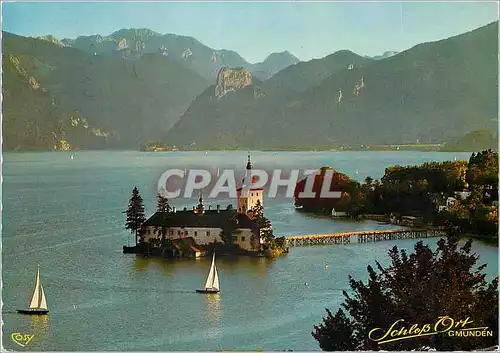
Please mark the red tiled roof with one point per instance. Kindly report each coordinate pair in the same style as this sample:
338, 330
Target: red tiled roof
186, 242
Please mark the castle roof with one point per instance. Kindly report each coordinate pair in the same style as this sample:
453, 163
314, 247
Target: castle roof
209, 219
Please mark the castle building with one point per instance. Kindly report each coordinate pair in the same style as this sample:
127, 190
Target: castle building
248, 197
201, 226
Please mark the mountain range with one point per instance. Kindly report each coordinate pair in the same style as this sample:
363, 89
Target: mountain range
136, 85
205, 61
427, 94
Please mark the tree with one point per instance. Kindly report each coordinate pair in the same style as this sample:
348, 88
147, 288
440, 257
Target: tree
418, 288
263, 222
135, 214
162, 204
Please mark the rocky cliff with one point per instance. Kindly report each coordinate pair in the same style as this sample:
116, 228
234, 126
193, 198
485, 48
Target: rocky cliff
230, 80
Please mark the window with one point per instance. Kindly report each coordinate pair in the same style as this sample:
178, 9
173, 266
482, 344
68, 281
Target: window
208, 233
252, 193
195, 233
242, 238
186, 232
178, 232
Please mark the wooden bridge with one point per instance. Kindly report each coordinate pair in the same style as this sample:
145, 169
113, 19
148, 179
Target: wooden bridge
364, 236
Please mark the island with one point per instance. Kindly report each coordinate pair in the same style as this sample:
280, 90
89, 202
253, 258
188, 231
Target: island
199, 231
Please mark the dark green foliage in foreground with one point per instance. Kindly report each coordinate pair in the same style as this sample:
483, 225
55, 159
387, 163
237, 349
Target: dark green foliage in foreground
135, 213
419, 288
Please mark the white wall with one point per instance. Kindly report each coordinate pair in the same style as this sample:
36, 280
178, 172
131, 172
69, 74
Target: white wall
198, 234
249, 201
243, 238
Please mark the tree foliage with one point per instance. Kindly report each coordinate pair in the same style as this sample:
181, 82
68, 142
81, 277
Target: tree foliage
162, 204
135, 213
483, 169
419, 288
339, 182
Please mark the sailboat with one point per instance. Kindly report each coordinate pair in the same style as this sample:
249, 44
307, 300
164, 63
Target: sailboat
38, 304
212, 283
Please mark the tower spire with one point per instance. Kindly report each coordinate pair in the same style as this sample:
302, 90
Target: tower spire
201, 208
249, 163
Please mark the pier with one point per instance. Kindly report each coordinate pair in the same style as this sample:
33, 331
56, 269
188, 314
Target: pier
365, 236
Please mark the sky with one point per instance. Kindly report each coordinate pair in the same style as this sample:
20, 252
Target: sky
256, 29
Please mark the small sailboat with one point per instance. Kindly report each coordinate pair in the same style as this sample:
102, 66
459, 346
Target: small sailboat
212, 283
38, 304
72, 156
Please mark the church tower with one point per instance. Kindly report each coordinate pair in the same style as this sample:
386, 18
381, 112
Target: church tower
200, 209
247, 197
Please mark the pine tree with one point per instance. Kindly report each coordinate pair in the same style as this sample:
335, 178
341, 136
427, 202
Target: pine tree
418, 288
162, 204
135, 214
263, 222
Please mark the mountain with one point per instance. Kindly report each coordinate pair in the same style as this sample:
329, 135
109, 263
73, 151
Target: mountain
304, 75
386, 54
473, 141
273, 64
429, 93
128, 102
234, 118
207, 62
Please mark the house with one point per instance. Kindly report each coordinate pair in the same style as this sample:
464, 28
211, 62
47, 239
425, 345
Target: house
338, 214
450, 201
206, 227
186, 247
411, 221
463, 194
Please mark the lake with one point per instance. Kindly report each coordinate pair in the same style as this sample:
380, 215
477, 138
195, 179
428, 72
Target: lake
66, 215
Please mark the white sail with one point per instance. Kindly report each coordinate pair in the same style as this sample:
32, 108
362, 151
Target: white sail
38, 300
36, 294
213, 278
215, 283
43, 301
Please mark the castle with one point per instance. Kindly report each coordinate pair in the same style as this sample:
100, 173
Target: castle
193, 229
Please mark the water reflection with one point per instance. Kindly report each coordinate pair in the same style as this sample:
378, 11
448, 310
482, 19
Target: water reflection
229, 264
141, 263
40, 329
40, 323
213, 333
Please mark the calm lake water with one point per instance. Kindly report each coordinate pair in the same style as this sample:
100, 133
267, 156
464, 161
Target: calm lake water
66, 215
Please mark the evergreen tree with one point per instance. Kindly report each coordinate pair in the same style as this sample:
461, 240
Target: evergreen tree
135, 213
258, 215
162, 204
262, 221
418, 288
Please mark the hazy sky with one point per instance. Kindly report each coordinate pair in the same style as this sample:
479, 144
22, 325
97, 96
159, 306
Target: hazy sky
254, 30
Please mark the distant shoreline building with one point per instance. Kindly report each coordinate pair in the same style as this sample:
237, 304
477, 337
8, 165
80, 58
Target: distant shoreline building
200, 227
